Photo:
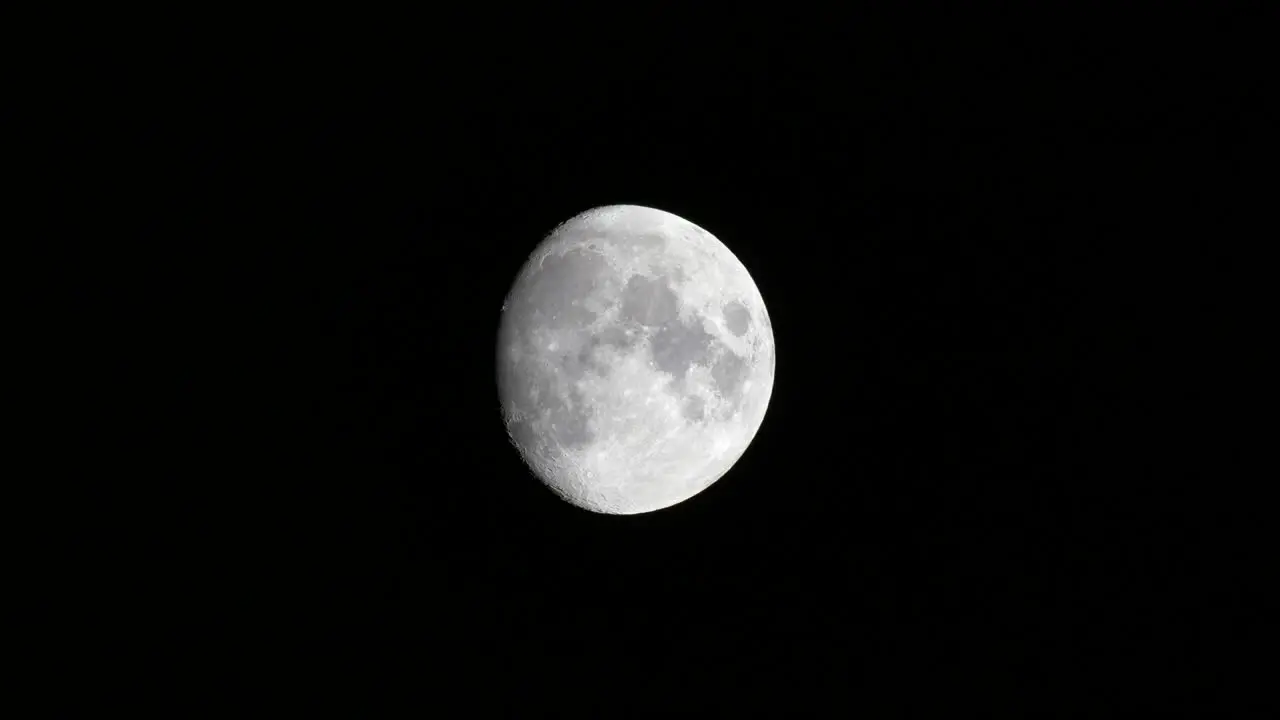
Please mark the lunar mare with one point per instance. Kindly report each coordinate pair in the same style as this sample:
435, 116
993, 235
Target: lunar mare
635, 360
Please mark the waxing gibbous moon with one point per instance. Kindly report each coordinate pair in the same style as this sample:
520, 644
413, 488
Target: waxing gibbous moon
635, 360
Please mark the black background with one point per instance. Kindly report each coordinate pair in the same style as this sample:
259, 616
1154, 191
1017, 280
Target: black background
982, 239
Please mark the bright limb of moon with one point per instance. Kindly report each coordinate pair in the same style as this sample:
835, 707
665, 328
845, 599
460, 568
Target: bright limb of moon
635, 360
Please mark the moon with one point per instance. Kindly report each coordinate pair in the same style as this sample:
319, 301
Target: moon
635, 360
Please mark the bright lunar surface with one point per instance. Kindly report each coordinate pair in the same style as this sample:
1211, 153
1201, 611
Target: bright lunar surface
635, 360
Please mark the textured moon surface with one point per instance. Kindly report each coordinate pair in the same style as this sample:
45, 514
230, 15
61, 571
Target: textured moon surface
635, 360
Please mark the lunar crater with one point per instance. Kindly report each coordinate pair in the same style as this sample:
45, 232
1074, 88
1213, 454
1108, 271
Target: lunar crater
737, 318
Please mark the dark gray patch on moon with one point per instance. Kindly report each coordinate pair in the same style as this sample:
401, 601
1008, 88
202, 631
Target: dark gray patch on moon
629, 236
678, 345
556, 291
567, 418
736, 318
728, 374
649, 301
675, 344
540, 402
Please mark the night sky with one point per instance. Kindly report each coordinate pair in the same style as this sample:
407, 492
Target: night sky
978, 240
